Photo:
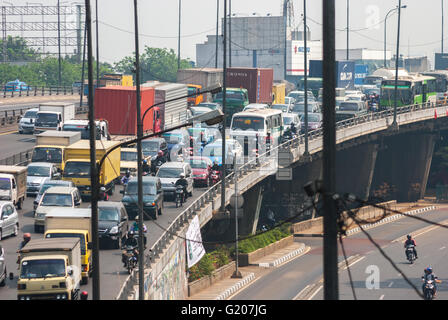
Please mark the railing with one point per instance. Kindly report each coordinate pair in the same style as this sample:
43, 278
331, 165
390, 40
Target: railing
40, 91
19, 159
257, 162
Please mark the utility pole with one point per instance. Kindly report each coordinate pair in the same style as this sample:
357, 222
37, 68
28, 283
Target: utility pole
236, 273
59, 46
141, 248
178, 38
348, 30
330, 259
97, 48
305, 78
230, 33
394, 123
93, 168
81, 93
442, 26
223, 129
216, 40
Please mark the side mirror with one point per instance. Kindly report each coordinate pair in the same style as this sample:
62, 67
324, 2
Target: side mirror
122, 191
90, 245
123, 219
69, 271
77, 203
31, 120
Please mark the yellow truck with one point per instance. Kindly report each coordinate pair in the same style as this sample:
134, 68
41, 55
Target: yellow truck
129, 161
51, 145
50, 269
73, 223
278, 93
77, 165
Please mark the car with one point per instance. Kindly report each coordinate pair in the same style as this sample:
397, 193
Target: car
289, 118
214, 151
38, 173
9, 220
350, 109
26, 123
112, 223
51, 183
169, 173
299, 95
152, 146
289, 100
202, 168
285, 108
256, 106
210, 105
67, 197
3, 271
195, 111
16, 86
314, 121
153, 195
299, 107
176, 137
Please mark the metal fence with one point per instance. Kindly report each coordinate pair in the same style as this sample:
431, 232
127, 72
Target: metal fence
19, 159
40, 91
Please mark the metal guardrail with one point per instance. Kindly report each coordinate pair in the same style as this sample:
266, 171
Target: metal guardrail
40, 91
209, 195
19, 159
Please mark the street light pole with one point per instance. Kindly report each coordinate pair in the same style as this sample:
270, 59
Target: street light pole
385, 25
139, 161
230, 33
394, 123
223, 130
59, 46
216, 40
178, 38
237, 273
348, 30
442, 27
97, 48
93, 168
305, 78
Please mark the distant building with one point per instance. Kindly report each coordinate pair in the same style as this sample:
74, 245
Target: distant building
374, 59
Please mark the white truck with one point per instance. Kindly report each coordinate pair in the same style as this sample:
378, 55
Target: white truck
50, 269
13, 184
52, 115
102, 127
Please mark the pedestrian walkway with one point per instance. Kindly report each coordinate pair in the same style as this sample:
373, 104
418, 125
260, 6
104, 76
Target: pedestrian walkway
225, 288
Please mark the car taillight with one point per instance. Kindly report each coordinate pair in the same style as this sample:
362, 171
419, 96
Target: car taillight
84, 268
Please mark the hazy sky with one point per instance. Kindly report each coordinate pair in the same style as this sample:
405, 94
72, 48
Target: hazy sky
420, 23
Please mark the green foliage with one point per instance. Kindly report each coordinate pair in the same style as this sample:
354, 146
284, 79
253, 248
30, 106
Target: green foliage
17, 50
264, 239
155, 64
209, 263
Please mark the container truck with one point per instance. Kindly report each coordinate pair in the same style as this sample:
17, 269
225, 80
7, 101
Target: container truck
77, 165
73, 223
50, 269
51, 145
52, 115
13, 184
345, 73
205, 77
278, 93
194, 89
257, 81
117, 104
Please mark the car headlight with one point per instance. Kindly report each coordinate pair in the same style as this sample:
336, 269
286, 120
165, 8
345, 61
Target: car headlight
149, 204
114, 229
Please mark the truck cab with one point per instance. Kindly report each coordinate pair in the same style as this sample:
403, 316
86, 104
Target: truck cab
194, 100
13, 184
82, 126
51, 116
236, 100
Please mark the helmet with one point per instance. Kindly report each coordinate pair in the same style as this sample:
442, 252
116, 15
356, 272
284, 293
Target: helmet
131, 233
182, 176
160, 153
137, 218
216, 161
103, 189
409, 236
128, 173
429, 270
144, 161
27, 236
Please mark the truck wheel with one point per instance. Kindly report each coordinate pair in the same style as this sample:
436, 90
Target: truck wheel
85, 280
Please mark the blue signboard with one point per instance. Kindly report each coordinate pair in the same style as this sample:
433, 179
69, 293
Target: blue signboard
361, 71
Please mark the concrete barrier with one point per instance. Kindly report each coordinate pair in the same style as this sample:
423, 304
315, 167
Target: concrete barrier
206, 282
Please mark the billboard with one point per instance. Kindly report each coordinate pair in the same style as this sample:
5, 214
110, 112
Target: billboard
295, 55
441, 61
361, 71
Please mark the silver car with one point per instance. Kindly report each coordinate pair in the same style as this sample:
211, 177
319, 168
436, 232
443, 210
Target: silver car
37, 174
26, 123
169, 173
51, 183
9, 219
2, 267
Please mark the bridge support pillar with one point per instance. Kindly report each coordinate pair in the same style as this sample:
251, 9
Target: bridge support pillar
252, 205
354, 169
402, 168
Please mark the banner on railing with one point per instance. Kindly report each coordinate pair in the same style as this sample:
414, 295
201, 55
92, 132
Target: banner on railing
194, 246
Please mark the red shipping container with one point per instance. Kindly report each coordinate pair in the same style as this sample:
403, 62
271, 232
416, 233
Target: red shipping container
117, 105
257, 81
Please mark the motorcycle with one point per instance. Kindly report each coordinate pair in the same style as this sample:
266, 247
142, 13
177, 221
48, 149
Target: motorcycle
410, 253
131, 258
428, 289
179, 196
215, 176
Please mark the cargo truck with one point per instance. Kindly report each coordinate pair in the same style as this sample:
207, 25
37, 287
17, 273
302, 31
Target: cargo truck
236, 100
257, 81
278, 93
13, 184
51, 145
82, 126
52, 115
194, 89
73, 223
77, 165
50, 269
205, 77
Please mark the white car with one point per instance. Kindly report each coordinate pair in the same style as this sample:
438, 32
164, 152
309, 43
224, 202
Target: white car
169, 173
26, 123
2, 267
37, 174
9, 219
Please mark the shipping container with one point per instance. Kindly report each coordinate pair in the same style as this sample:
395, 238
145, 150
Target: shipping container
257, 81
345, 72
205, 77
278, 93
361, 71
117, 104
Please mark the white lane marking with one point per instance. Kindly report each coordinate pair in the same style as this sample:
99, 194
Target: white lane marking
382, 297
442, 248
298, 295
315, 292
351, 264
390, 284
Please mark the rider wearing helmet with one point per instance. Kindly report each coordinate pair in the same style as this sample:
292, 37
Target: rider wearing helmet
26, 239
145, 166
134, 228
184, 183
411, 241
429, 275
103, 194
126, 178
158, 161
130, 241
216, 166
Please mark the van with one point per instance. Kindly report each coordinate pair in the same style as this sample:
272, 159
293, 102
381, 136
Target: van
152, 197
26, 123
169, 173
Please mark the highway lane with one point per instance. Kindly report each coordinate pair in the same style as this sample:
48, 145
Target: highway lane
112, 273
14, 143
296, 276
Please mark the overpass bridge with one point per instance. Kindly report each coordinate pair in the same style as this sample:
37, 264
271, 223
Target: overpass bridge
372, 156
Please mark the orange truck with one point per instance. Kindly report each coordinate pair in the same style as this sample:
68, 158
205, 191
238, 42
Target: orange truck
194, 100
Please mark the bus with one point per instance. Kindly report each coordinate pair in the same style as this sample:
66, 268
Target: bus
313, 84
412, 89
441, 84
266, 125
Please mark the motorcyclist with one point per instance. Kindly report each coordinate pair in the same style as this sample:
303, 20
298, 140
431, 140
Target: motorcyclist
130, 241
134, 228
429, 275
103, 194
216, 166
126, 178
26, 239
145, 167
160, 158
409, 242
293, 128
184, 183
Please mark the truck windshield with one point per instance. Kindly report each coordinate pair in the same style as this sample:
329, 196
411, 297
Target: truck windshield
169, 172
5, 184
80, 236
128, 156
45, 154
247, 123
30, 114
85, 132
148, 188
47, 118
148, 146
56, 200
45, 268
77, 169
36, 171
231, 95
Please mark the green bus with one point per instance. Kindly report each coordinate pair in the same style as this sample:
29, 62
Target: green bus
236, 100
411, 90
313, 84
